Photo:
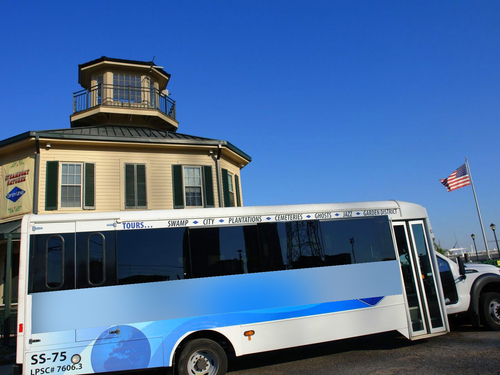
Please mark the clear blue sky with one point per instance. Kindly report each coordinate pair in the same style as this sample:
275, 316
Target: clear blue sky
336, 101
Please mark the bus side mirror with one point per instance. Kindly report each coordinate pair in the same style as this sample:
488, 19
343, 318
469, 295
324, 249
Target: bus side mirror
461, 267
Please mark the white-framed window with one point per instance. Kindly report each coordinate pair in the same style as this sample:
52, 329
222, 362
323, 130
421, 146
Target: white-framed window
230, 185
193, 189
193, 186
71, 185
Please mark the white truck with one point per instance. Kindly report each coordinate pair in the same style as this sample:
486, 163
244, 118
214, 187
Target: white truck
472, 289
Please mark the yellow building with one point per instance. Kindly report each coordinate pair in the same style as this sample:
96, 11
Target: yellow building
122, 152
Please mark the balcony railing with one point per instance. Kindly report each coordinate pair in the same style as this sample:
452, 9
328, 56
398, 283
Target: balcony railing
123, 96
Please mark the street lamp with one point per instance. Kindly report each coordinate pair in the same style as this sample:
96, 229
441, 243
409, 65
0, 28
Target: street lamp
492, 226
475, 247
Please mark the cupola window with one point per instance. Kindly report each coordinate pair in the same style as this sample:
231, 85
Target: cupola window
127, 87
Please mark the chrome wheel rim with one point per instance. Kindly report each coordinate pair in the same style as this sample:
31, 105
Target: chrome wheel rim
494, 310
203, 362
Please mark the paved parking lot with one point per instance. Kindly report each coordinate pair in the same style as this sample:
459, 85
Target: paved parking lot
465, 350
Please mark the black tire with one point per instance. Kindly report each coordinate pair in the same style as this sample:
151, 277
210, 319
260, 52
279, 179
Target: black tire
202, 357
490, 310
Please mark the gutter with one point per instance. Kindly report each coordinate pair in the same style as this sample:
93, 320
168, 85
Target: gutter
35, 177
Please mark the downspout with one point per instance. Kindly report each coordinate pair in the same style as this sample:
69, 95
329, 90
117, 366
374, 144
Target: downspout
35, 177
217, 168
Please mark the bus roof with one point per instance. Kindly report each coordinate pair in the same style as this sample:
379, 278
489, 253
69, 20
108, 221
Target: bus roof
406, 210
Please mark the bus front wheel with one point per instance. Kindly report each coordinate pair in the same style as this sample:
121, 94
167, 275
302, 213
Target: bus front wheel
490, 306
202, 356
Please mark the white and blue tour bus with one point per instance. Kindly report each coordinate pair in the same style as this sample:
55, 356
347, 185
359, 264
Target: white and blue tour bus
188, 289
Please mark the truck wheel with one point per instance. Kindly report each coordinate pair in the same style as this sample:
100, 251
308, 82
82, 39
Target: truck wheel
202, 357
490, 308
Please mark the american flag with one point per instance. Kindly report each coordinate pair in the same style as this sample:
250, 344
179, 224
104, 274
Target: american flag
457, 179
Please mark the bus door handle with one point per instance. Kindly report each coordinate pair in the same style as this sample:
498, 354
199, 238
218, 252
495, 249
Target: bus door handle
117, 332
32, 341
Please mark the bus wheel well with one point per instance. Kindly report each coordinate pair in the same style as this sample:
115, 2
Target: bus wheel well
207, 334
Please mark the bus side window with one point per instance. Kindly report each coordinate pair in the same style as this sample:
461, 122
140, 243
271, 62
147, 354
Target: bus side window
252, 250
150, 255
217, 251
302, 241
270, 247
96, 259
291, 245
223, 251
361, 240
54, 248
51, 262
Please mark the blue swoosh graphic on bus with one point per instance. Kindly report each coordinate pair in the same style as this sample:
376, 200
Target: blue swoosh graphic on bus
372, 301
133, 350
165, 311
225, 320
125, 304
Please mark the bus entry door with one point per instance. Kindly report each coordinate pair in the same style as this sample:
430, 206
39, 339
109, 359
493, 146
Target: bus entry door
419, 278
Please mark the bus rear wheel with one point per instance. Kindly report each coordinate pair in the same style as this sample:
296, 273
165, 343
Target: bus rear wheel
490, 305
202, 357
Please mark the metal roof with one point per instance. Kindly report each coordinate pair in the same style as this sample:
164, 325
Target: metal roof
120, 133
134, 62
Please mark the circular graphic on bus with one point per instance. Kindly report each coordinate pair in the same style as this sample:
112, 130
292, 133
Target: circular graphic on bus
120, 348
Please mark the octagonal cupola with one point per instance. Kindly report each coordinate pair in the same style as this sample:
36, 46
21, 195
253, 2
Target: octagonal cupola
123, 92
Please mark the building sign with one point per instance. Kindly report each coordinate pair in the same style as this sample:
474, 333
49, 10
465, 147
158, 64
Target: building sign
17, 187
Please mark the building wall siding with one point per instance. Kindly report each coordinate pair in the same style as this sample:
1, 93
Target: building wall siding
109, 171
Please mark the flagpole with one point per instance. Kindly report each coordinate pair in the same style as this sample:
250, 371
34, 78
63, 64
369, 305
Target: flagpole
477, 207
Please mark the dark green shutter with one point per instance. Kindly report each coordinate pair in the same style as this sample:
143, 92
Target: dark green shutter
51, 185
89, 188
135, 186
237, 183
225, 188
177, 185
129, 186
140, 176
208, 184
